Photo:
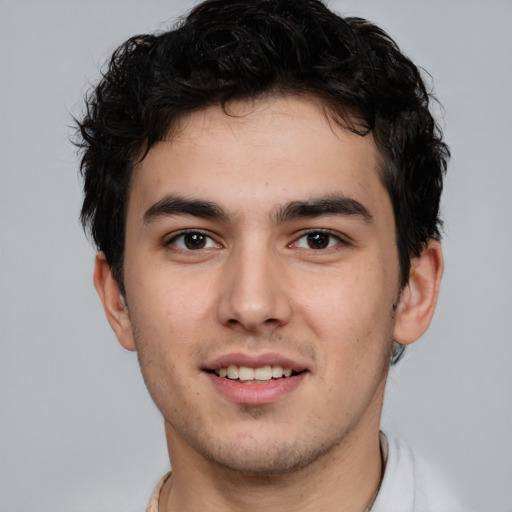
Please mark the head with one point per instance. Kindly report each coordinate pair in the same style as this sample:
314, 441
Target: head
240, 77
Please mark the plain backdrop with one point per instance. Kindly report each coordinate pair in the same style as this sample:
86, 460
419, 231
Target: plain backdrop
78, 431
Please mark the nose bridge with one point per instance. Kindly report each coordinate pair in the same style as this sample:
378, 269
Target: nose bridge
253, 294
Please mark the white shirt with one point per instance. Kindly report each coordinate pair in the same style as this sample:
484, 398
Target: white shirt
410, 484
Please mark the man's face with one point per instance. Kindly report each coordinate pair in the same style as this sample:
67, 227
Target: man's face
263, 239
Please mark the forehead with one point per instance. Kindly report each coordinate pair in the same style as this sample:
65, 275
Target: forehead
258, 154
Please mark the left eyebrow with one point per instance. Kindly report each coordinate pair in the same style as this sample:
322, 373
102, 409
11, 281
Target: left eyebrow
320, 206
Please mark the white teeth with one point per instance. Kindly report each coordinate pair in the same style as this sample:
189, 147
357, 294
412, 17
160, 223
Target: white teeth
245, 373
232, 371
263, 373
277, 372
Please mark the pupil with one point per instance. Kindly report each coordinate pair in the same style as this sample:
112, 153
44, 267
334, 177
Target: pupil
318, 240
195, 241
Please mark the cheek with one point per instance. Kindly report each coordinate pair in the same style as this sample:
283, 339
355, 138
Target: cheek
352, 317
170, 301
172, 319
166, 328
356, 300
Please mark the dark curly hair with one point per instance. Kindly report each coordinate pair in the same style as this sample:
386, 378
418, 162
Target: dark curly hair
241, 49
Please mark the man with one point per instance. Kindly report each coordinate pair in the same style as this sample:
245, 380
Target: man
263, 186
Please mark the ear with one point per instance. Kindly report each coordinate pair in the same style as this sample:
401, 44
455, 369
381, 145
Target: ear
419, 297
113, 301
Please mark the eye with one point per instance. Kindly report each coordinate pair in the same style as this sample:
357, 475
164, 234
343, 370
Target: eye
192, 241
318, 240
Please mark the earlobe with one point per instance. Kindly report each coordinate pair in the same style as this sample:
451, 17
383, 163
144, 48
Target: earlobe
419, 297
113, 302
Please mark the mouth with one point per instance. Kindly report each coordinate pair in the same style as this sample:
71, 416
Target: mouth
255, 380
261, 374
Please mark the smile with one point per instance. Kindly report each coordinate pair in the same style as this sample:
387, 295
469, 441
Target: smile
255, 379
253, 375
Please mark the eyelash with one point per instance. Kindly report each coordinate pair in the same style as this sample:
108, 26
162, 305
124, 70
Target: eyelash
182, 234
329, 236
339, 240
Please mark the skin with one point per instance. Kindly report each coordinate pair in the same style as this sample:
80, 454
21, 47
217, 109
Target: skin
260, 287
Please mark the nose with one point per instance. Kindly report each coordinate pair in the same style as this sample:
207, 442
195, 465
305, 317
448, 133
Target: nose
254, 297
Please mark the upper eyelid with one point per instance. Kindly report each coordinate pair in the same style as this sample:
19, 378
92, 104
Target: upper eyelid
341, 236
169, 238
185, 231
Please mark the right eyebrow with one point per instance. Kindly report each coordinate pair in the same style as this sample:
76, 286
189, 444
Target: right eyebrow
178, 205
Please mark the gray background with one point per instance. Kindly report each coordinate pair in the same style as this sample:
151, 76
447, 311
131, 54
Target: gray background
78, 430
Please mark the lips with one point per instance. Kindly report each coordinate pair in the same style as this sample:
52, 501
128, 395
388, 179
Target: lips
255, 380
255, 361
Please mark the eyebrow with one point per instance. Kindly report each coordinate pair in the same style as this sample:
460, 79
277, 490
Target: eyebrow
178, 205
314, 207
320, 206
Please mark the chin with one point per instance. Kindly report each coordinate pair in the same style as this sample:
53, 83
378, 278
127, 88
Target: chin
268, 459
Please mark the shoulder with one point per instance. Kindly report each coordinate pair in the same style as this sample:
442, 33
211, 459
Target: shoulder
410, 484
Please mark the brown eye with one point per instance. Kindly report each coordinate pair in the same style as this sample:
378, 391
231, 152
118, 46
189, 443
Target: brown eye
318, 240
192, 241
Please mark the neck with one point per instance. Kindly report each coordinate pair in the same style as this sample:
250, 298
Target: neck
347, 478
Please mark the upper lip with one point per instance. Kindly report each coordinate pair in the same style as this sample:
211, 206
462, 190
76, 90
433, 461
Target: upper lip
254, 361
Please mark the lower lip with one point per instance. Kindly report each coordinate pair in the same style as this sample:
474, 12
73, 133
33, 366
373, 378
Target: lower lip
255, 394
